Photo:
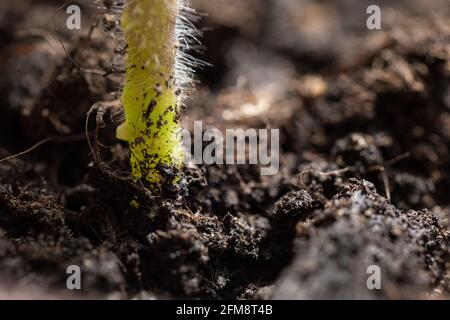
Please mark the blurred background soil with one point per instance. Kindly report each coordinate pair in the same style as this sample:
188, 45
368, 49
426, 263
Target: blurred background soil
365, 157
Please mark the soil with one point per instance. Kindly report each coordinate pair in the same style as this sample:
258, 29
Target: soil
365, 158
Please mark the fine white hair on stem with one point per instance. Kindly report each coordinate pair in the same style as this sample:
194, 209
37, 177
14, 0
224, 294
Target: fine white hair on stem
186, 39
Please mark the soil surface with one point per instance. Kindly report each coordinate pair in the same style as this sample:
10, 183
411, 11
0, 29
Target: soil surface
364, 166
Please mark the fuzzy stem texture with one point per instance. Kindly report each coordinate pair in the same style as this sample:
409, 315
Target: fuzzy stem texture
149, 95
